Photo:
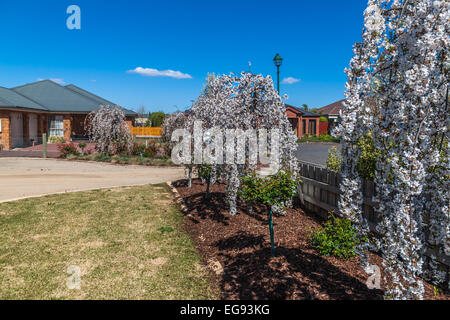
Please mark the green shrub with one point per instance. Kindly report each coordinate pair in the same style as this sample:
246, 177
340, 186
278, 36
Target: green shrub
368, 158
366, 163
337, 238
56, 139
273, 190
334, 160
323, 119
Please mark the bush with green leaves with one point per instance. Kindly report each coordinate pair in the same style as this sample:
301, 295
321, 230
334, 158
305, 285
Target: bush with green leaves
334, 160
337, 238
367, 160
205, 172
366, 163
276, 190
273, 191
56, 139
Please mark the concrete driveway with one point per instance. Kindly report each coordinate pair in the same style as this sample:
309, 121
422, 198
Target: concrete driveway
23, 178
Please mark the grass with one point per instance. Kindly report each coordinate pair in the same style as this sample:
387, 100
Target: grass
322, 138
135, 160
127, 242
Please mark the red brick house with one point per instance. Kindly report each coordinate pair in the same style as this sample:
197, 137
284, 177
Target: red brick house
331, 112
28, 111
303, 122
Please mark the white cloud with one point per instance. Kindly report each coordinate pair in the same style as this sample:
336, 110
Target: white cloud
290, 80
57, 80
148, 72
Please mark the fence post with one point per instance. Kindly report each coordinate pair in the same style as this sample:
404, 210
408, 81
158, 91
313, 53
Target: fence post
44, 145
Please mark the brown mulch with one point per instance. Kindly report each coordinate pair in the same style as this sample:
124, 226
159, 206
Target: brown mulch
241, 244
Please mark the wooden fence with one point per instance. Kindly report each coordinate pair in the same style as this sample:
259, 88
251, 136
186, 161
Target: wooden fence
320, 194
146, 131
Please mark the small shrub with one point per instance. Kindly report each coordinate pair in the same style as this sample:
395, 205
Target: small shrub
323, 119
367, 161
337, 238
82, 146
68, 149
334, 160
55, 139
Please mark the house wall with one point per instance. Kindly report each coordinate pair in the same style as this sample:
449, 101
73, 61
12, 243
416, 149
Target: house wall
42, 127
6, 134
299, 119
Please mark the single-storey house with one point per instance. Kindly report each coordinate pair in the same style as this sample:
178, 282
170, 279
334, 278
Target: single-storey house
28, 111
303, 122
331, 112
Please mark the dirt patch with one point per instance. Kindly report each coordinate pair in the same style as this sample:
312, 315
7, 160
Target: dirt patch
237, 250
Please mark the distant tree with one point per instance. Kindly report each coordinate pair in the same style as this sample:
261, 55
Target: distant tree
142, 110
156, 119
305, 106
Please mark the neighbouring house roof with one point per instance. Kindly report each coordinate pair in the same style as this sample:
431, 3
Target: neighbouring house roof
56, 98
332, 109
303, 112
12, 99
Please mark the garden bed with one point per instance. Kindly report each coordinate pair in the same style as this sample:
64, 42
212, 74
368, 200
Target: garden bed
241, 244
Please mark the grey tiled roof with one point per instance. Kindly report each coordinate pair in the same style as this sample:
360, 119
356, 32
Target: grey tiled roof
100, 100
12, 99
55, 98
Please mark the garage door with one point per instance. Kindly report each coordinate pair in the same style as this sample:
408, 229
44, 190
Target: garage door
33, 125
16, 130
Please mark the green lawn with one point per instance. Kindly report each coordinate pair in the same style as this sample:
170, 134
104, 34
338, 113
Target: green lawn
127, 242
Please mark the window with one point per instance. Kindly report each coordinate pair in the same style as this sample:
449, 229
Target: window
0, 125
304, 126
56, 126
312, 127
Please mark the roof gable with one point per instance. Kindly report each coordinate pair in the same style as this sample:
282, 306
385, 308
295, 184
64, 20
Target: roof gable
333, 109
10, 98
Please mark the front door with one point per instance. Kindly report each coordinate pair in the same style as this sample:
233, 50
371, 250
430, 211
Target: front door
16, 130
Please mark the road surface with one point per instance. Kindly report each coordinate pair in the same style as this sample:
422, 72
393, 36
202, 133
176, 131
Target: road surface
22, 178
316, 153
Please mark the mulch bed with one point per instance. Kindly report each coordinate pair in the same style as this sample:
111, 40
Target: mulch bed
241, 244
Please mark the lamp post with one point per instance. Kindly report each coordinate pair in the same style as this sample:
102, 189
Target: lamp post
278, 60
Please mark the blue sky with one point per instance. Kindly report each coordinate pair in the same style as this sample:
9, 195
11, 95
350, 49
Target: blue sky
315, 39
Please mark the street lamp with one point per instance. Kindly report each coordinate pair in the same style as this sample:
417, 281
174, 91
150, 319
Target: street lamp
278, 60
